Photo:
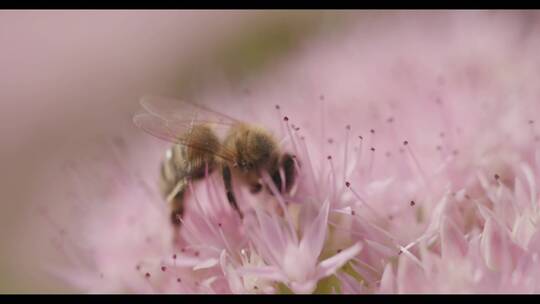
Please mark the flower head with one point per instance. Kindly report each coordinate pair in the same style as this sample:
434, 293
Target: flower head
415, 174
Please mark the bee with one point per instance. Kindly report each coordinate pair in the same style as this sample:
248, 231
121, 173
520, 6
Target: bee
244, 154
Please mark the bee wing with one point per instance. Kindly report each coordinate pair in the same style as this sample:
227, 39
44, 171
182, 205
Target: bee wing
178, 111
172, 120
177, 132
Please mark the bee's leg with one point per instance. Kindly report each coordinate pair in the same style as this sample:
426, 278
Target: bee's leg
286, 165
177, 211
255, 188
177, 208
227, 179
289, 170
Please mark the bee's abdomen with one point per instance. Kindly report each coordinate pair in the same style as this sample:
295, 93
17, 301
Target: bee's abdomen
176, 171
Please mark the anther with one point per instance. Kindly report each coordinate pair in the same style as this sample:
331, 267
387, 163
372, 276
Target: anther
347, 184
348, 127
147, 275
163, 268
405, 142
329, 157
412, 203
496, 176
372, 149
286, 118
174, 256
277, 107
179, 280
372, 131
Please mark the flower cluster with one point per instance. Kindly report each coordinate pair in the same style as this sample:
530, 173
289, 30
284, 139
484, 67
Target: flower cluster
418, 173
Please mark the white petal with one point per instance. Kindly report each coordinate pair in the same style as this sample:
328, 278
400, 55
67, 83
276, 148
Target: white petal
263, 272
313, 238
453, 242
530, 180
495, 247
272, 235
235, 283
330, 265
387, 280
206, 264
303, 287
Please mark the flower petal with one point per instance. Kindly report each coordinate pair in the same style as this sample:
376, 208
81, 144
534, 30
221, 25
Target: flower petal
272, 236
313, 238
453, 242
495, 249
206, 264
387, 280
330, 265
264, 272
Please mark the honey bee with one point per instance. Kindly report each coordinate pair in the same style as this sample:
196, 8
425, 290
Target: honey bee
245, 153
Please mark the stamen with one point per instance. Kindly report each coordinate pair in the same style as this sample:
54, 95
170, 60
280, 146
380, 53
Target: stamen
417, 164
361, 199
533, 132
268, 180
345, 157
332, 174
411, 256
371, 161
311, 171
204, 215
293, 142
323, 125
360, 148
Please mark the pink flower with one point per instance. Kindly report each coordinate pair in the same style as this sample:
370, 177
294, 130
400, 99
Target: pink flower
418, 164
